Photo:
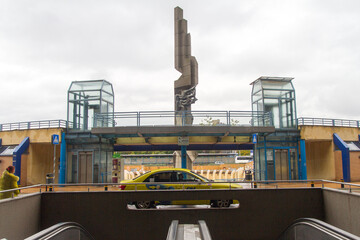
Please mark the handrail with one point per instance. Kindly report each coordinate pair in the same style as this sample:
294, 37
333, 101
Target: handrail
55, 230
174, 226
306, 121
320, 226
58, 123
172, 233
204, 230
167, 118
230, 181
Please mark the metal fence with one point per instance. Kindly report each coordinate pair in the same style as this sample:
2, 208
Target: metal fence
200, 118
33, 125
167, 118
328, 122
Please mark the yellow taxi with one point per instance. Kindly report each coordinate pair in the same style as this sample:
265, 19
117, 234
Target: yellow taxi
172, 179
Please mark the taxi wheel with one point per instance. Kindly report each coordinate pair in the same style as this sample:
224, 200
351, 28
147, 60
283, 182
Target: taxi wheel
144, 204
221, 203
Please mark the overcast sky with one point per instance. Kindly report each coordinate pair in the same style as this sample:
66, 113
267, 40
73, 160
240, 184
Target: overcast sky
47, 44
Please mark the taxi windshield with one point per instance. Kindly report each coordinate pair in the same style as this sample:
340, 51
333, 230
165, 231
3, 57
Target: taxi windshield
140, 175
201, 177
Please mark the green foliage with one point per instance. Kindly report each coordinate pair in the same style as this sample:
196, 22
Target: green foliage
245, 152
234, 122
209, 121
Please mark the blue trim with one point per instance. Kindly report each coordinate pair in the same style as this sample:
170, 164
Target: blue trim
183, 156
266, 163
62, 159
0, 142
19, 150
273, 152
345, 154
289, 165
303, 169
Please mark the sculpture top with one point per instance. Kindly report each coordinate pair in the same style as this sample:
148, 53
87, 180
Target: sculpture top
184, 63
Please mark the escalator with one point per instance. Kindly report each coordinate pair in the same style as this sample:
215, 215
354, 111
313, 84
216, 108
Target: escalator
61, 231
301, 229
198, 231
311, 229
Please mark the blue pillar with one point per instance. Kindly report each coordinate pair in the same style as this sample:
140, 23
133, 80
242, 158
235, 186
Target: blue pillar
19, 150
183, 156
345, 154
62, 159
303, 170
266, 163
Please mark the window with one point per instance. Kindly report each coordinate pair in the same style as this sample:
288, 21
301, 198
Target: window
186, 177
159, 177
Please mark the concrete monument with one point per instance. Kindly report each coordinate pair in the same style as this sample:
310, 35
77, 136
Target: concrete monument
185, 86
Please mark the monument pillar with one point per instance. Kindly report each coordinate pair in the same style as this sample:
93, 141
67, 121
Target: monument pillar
185, 86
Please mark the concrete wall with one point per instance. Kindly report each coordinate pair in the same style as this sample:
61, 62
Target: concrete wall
20, 217
354, 166
320, 161
41, 162
326, 133
263, 213
342, 210
36, 135
5, 161
37, 161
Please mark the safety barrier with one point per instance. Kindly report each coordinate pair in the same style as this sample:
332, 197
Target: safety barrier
328, 122
167, 118
270, 184
33, 125
107, 216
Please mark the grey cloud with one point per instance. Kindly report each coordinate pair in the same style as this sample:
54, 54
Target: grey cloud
47, 44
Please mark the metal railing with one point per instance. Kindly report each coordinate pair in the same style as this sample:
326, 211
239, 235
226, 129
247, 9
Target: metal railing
199, 118
270, 184
311, 228
33, 125
167, 118
64, 230
328, 122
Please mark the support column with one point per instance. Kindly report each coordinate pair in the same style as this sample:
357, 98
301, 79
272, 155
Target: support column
183, 156
303, 169
19, 150
345, 154
62, 159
